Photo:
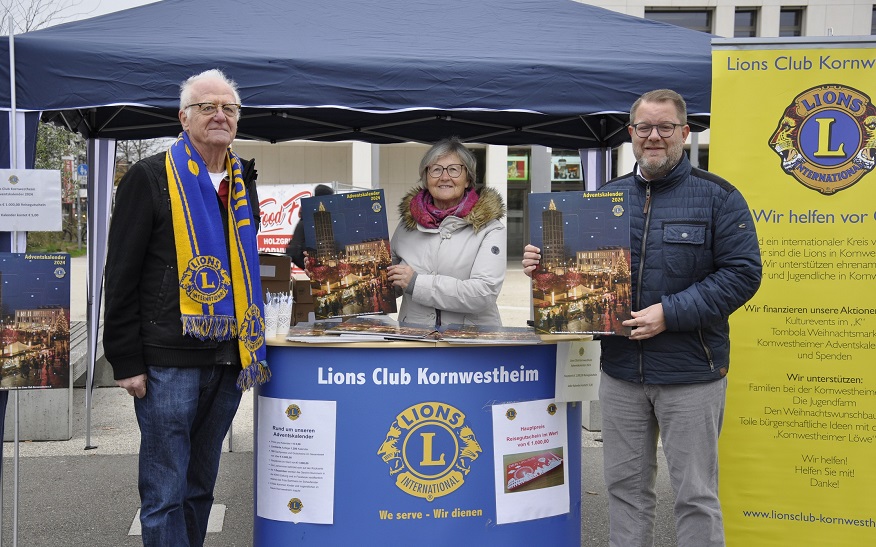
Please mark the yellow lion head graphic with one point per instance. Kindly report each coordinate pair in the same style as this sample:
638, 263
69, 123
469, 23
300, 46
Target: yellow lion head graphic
784, 139
826, 137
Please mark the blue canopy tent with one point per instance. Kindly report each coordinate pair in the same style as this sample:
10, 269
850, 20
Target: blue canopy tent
549, 72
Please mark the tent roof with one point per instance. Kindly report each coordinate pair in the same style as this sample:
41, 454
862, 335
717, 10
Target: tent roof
552, 72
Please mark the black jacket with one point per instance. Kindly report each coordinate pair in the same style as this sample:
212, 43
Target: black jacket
142, 317
295, 248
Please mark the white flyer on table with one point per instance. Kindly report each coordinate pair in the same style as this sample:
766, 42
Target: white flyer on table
296, 460
577, 371
530, 447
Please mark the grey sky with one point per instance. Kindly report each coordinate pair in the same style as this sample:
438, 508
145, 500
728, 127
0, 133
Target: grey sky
92, 8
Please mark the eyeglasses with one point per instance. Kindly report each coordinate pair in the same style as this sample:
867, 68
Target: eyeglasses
209, 109
665, 130
454, 171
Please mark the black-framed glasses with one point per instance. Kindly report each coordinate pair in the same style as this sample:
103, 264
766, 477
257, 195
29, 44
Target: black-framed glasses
453, 170
209, 109
665, 130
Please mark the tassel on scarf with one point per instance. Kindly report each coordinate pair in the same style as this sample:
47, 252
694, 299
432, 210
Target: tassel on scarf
209, 328
257, 373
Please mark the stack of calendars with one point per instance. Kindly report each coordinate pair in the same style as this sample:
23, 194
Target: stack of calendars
370, 328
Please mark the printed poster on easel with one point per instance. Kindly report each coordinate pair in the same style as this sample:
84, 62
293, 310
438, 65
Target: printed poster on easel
34, 320
583, 282
350, 253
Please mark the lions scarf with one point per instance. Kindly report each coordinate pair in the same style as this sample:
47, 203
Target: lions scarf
220, 291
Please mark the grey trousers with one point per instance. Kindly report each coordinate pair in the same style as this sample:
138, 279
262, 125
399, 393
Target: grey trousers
688, 419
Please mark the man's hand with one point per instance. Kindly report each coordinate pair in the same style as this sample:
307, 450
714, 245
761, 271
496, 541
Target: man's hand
135, 385
531, 258
647, 323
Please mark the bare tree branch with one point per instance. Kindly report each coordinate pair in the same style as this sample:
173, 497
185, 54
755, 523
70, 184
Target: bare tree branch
28, 15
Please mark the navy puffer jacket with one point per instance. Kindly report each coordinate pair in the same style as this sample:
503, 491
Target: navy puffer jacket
693, 248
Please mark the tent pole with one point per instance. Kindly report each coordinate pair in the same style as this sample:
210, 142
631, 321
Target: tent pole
101, 167
14, 245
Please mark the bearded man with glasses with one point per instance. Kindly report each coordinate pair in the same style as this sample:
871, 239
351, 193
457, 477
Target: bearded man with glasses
449, 249
184, 319
695, 260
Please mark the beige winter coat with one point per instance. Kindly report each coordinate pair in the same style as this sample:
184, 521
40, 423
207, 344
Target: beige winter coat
460, 265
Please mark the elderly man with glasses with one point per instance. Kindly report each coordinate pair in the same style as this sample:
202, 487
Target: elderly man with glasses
695, 260
184, 319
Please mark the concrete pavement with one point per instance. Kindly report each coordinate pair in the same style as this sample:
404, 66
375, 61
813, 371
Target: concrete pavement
70, 496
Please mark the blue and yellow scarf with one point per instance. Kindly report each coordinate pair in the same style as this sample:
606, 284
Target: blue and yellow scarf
220, 292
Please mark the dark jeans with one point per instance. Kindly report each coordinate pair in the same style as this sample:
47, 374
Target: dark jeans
183, 420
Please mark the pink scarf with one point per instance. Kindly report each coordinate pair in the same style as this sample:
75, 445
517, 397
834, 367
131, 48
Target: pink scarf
427, 215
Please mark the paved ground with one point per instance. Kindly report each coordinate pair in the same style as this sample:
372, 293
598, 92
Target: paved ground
69, 496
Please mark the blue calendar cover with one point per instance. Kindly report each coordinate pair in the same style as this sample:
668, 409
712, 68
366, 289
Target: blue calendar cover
347, 253
34, 320
582, 284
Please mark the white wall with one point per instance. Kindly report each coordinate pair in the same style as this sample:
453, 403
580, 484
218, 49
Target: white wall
299, 162
398, 174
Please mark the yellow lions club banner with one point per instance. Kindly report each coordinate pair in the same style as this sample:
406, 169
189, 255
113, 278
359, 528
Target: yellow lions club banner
794, 128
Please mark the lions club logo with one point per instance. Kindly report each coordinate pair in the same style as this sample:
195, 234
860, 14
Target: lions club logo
293, 412
205, 280
429, 450
252, 328
826, 138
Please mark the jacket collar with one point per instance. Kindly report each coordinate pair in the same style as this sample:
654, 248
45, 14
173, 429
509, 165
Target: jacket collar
675, 177
490, 207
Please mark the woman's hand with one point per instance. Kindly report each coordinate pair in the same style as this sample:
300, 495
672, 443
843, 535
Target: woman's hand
400, 275
531, 258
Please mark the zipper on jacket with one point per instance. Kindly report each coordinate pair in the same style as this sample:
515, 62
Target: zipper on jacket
706, 349
647, 211
647, 208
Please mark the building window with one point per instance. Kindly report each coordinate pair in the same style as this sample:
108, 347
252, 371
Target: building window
791, 22
745, 24
566, 175
694, 19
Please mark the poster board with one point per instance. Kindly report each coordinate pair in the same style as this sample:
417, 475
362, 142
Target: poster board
30, 200
518, 167
793, 128
34, 321
566, 168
